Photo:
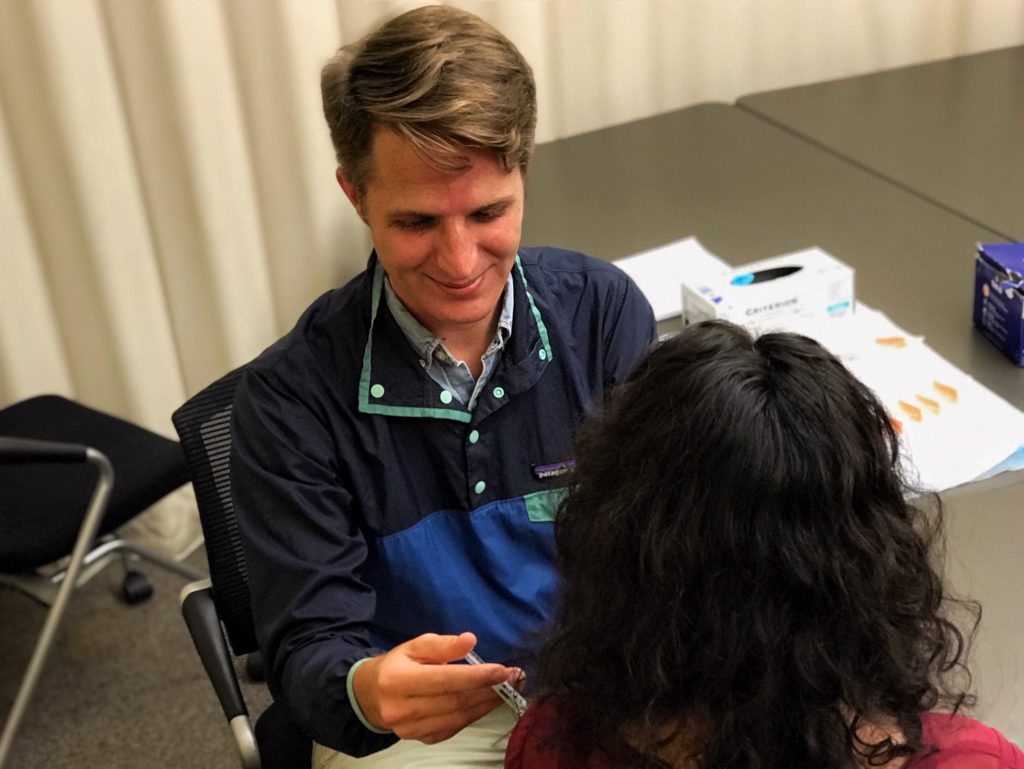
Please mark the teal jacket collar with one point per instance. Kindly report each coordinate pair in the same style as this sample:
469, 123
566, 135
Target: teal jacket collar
392, 382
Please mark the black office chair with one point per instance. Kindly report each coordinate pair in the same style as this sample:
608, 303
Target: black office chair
221, 605
53, 505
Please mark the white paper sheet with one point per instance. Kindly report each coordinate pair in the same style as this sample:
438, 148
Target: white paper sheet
945, 442
661, 272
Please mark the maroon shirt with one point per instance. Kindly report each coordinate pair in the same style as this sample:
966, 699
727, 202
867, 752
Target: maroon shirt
958, 743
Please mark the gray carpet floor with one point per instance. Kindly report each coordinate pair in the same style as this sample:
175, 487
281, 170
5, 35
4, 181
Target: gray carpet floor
123, 686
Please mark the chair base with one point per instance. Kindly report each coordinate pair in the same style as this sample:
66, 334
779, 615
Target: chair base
44, 587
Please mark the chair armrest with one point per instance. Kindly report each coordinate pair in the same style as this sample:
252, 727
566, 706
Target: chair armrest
200, 615
15, 451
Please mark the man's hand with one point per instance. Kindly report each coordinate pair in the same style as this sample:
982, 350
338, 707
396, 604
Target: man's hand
412, 691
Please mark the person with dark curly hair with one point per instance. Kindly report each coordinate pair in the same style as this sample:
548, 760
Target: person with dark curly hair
747, 580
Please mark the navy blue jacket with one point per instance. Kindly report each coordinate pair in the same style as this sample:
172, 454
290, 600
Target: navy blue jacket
372, 511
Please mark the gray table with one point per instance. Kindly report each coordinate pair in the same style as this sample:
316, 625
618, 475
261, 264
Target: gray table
748, 190
951, 131
985, 561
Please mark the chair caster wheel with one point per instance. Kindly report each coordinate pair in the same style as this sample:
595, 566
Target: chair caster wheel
254, 666
137, 587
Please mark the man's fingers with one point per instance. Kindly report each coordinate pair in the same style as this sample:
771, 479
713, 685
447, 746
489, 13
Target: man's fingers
415, 692
517, 678
438, 649
426, 680
437, 728
419, 717
424, 708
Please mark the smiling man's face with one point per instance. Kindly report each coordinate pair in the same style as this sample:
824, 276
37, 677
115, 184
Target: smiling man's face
446, 241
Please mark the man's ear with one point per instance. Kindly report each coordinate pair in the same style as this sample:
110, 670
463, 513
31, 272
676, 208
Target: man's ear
350, 192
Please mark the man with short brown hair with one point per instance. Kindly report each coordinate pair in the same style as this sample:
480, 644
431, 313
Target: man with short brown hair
397, 455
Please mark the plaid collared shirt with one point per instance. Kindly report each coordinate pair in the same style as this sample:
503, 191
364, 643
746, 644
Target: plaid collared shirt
444, 368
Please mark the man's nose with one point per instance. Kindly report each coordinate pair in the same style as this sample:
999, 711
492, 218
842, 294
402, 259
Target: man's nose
456, 251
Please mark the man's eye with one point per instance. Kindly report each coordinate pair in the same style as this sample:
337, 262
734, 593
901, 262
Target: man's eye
414, 224
488, 215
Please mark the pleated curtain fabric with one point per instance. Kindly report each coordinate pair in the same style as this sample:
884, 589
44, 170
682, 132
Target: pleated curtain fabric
167, 196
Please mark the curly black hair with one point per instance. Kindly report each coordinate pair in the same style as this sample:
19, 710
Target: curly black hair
744, 570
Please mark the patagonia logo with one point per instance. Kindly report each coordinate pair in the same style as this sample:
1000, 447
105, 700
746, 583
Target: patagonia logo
540, 472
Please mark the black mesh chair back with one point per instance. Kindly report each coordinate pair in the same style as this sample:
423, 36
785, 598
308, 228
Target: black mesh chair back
204, 426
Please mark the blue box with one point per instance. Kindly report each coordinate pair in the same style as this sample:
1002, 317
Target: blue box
999, 297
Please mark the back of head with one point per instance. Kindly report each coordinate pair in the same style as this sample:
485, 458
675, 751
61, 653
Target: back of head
742, 573
440, 77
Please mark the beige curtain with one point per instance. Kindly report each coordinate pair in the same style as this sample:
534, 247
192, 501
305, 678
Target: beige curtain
167, 196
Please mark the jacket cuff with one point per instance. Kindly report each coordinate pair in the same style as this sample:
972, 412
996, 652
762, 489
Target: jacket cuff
350, 688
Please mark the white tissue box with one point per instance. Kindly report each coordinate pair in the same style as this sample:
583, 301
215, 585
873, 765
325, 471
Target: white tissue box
762, 294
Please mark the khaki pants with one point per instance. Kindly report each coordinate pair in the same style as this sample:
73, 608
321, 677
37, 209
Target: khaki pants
481, 745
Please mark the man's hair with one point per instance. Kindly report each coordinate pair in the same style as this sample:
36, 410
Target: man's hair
442, 79
742, 571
